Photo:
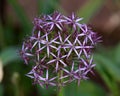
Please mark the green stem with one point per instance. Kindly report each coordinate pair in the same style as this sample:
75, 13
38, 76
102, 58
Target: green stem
60, 89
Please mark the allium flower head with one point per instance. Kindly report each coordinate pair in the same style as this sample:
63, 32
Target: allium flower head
60, 49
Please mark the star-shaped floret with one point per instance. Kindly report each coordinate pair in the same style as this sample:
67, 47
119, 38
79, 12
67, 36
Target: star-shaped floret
35, 74
41, 62
73, 20
55, 20
96, 39
58, 60
88, 64
38, 69
62, 43
38, 23
47, 44
48, 81
82, 75
72, 74
38, 40
82, 47
24, 54
72, 47
87, 33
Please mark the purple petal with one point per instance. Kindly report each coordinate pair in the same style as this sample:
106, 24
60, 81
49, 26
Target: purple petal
72, 67
79, 19
57, 65
53, 78
59, 26
67, 18
64, 76
53, 84
63, 63
48, 51
69, 53
51, 61
53, 54
47, 74
65, 70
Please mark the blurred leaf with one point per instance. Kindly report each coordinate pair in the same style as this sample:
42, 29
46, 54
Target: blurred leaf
89, 9
2, 43
110, 83
117, 54
86, 88
21, 14
102, 73
1, 90
47, 6
109, 65
50, 91
8, 55
10, 36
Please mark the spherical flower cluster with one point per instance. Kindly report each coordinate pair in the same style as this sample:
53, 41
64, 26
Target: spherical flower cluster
60, 50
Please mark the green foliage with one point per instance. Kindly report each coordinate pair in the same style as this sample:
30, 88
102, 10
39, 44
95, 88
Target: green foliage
25, 22
108, 66
8, 55
89, 9
86, 88
1, 90
47, 6
2, 44
50, 91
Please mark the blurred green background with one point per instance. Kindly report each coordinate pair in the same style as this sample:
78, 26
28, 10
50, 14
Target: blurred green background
16, 18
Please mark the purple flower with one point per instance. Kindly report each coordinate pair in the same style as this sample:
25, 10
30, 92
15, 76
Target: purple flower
46, 81
73, 20
88, 64
58, 60
72, 47
35, 74
82, 48
87, 33
47, 44
62, 43
82, 75
72, 74
24, 54
39, 23
38, 40
55, 21
60, 55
